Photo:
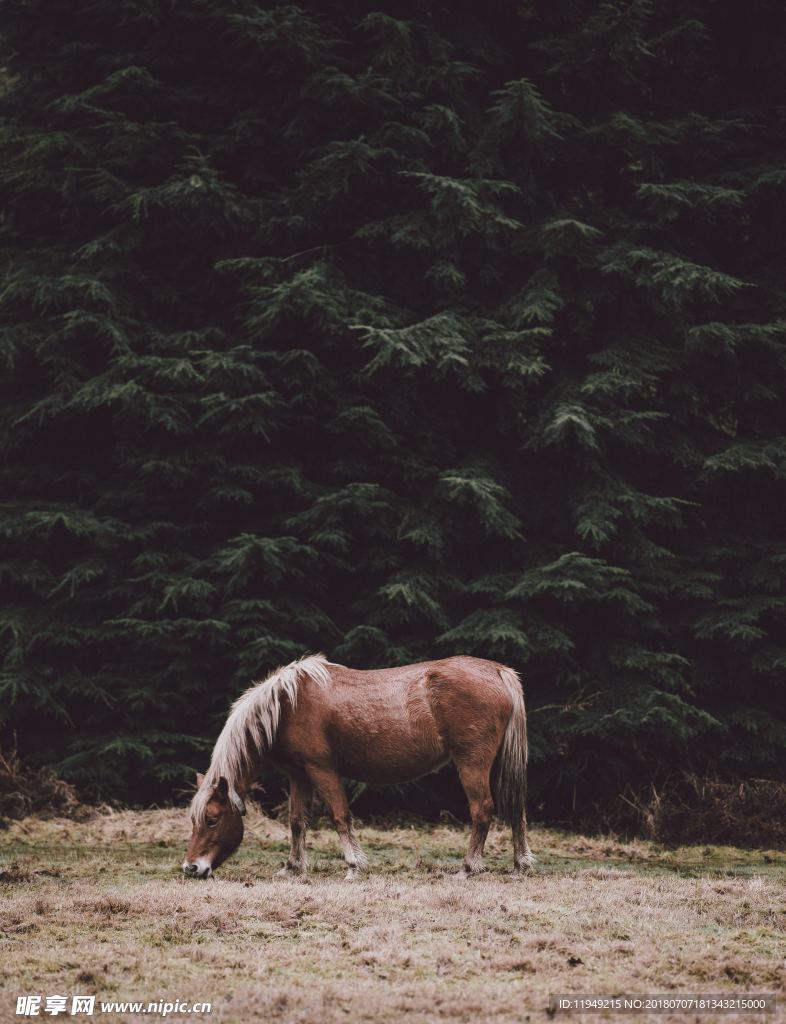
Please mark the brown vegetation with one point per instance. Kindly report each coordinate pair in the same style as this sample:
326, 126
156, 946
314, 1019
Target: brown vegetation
699, 810
25, 790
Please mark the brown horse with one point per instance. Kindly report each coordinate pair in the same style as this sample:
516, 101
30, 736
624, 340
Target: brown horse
319, 721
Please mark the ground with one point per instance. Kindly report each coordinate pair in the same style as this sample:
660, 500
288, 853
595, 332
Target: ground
99, 908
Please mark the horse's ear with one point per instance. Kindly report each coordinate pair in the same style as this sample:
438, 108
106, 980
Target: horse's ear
200, 779
222, 789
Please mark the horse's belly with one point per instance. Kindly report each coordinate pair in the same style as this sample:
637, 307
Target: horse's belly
387, 765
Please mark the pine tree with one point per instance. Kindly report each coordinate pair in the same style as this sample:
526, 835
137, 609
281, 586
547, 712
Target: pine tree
395, 334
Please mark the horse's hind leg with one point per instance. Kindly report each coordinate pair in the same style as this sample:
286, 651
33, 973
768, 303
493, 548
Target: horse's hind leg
523, 857
476, 779
328, 785
300, 794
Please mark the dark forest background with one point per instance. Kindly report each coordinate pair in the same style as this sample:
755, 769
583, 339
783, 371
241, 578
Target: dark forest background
395, 331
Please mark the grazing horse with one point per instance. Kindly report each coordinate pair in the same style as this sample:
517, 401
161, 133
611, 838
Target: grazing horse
318, 721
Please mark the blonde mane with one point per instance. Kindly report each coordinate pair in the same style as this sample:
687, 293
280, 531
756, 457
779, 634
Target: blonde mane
251, 727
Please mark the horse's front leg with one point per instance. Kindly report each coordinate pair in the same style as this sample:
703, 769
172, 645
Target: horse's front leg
300, 795
328, 785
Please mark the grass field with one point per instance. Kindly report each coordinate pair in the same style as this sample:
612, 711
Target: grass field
100, 908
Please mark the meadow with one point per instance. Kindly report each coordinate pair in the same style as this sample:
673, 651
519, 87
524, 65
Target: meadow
99, 907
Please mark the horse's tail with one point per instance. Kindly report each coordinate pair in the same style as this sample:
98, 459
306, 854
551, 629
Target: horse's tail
511, 787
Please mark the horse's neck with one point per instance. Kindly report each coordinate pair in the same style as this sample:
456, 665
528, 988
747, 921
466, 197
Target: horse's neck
249, 776
242, 782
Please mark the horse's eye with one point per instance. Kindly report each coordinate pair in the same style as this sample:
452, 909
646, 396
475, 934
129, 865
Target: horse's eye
212, 822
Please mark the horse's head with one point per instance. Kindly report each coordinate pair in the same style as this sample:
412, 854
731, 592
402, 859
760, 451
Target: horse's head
217, 829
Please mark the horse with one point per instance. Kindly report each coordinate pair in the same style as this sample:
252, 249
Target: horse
318, 721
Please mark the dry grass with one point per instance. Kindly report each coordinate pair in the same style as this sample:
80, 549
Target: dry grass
99, 907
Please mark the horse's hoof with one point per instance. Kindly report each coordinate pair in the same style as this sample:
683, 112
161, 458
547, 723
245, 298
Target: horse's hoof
289, 872
352, 874
526, 866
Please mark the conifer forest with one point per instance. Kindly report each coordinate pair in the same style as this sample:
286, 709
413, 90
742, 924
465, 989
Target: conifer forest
395, 331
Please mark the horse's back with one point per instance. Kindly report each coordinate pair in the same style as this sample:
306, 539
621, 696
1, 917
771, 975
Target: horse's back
462, 669
426, 686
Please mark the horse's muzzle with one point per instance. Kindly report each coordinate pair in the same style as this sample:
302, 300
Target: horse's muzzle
197, 869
